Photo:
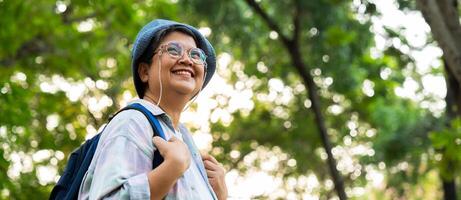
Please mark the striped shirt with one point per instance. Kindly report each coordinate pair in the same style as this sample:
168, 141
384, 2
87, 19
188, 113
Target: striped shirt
124, 157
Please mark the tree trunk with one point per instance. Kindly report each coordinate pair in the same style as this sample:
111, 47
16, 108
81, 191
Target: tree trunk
449, 190
315, 100
453, 110
443, 18
292, 46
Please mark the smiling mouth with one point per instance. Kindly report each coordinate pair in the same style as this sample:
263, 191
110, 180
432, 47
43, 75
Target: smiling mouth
183, 72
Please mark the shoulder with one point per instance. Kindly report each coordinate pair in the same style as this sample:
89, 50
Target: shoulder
131, 124
130, 114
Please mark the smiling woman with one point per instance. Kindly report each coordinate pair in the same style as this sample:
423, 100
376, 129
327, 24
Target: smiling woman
171, 64
174, 72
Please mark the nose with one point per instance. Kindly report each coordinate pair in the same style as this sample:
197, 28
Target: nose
185, 60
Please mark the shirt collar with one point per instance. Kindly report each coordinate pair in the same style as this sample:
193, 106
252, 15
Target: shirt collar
154, 109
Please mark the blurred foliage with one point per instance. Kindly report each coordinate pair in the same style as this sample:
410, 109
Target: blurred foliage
448, 144
337, 51
57, 59
51, 48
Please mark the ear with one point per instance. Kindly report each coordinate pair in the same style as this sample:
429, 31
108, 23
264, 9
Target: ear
143, 71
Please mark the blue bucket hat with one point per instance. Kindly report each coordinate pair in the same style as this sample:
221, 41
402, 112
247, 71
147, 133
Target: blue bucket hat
145, 38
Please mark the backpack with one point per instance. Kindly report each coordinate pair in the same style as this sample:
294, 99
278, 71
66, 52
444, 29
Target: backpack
69, 184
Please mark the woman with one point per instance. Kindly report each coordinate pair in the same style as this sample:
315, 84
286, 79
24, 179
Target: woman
171, 63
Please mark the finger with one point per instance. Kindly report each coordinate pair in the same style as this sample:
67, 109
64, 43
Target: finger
209, 157
204, 155
159, 143
213, 159
173, 139
211, 174
210, 165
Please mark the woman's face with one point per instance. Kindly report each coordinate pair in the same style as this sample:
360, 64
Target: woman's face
179, 73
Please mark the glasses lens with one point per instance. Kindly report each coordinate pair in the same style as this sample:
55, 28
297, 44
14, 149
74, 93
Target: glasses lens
174, 49
197, 55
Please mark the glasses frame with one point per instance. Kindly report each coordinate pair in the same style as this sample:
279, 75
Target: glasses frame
163, 48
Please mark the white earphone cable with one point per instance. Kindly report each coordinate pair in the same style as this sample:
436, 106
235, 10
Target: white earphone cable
160, 78
196, 96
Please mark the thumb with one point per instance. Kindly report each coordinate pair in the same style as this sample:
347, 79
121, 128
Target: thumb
173, 139
204, 154
159, 143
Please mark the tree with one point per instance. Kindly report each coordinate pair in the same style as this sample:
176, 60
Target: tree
64, 68
443, 18
335, 50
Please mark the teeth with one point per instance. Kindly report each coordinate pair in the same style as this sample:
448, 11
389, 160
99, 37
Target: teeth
183, 73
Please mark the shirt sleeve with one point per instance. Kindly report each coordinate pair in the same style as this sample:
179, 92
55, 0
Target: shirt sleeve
124, 160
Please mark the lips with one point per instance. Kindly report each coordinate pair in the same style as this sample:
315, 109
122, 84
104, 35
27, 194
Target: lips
183, 71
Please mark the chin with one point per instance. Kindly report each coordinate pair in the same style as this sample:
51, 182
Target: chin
184, 86
186, 89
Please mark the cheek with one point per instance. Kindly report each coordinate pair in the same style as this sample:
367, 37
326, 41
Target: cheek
201, 73
165, 65
161, 66
154, 75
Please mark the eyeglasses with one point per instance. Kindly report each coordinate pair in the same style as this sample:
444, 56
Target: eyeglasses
176, 50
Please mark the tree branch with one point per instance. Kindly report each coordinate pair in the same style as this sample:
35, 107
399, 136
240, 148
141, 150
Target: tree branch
67, 19
272, 25
296, 58
34, 46
296, 22
37, 44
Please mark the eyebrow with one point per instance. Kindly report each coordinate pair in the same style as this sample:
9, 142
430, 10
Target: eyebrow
182, 44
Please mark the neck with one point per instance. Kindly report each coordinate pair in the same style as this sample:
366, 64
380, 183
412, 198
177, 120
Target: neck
173, 106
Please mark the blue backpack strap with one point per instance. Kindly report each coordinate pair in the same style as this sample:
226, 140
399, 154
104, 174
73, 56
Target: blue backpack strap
156, 128
79, 161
